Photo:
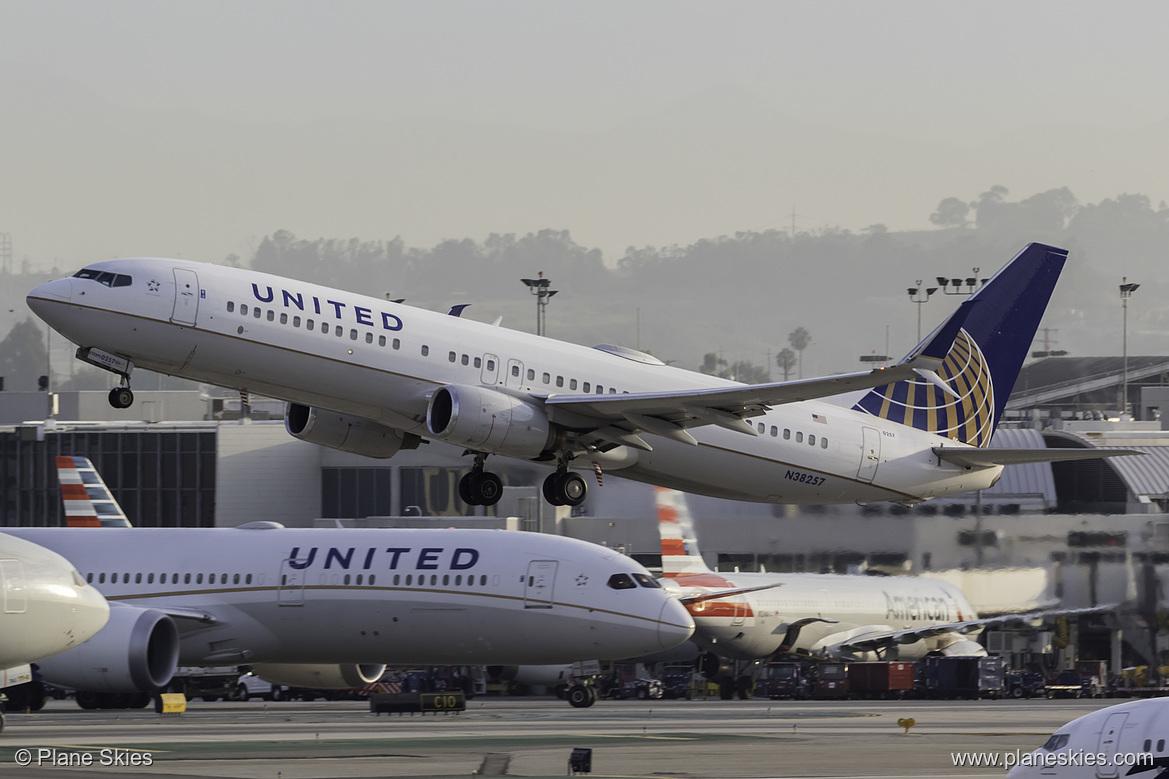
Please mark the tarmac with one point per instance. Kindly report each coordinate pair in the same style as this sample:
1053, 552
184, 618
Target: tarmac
531, 737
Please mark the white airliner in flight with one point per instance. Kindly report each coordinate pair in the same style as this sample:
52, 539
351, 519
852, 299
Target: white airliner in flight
370, 376
754, 616
325, 607
47, 608
1130, 739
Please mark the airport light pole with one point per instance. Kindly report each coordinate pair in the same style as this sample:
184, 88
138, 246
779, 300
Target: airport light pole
1126, 290
539, 287
920, 295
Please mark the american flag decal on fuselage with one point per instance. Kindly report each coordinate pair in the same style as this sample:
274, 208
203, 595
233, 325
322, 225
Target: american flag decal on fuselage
969, 418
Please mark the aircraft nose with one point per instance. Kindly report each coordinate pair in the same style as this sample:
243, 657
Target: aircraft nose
675, 624
59, 290
91, 612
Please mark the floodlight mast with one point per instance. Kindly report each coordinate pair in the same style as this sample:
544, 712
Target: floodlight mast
539, 287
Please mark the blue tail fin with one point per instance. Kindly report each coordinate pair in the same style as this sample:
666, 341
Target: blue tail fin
997, 326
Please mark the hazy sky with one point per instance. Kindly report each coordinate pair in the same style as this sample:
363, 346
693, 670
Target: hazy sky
196, 128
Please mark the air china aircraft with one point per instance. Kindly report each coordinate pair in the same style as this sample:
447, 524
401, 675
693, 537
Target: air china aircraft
752, 616
369, 376
327, 608
47, 609
1131, 739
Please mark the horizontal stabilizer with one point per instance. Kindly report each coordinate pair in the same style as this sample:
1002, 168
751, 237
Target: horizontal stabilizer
970, 457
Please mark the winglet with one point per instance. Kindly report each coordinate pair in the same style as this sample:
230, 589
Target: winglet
457, 310
88, 502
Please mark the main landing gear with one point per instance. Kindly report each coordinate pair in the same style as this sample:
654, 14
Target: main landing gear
483, 488
565, 488
480, 487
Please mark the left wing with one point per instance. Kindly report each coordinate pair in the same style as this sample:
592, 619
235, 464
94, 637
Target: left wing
879, 640
619, 418
688, 600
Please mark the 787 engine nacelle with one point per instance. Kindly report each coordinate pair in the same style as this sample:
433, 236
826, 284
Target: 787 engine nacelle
486, 420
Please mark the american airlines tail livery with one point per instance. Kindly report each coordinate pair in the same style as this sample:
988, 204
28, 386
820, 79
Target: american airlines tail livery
365, 375
330, 607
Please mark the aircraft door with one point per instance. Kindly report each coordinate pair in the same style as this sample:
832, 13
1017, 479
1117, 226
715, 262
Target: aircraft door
12, 583
1110, 744
490, 373
186, 297
290, 589
870, 454
515, 374
539, 584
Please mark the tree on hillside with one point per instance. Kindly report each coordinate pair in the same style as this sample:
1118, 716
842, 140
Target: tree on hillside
951, 212
786, 360
799, 339
22, 356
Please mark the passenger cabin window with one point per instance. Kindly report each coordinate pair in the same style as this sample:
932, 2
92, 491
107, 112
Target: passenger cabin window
257, 312
787, 434
531, 375
559, 381
799, 437
271, 315
230, 306
572, 385
451, 356
283, 318
478, 362
823, 443
296, 321
585, 387
465, 360
243, 309
425, 350
381, 340
622, 581
369, 338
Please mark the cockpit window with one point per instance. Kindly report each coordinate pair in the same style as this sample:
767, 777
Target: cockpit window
1058, 741
646, 581
104, 277
622, 581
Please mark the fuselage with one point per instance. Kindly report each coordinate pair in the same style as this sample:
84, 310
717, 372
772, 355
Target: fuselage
47, 607
827, 609
382, 361
378, 596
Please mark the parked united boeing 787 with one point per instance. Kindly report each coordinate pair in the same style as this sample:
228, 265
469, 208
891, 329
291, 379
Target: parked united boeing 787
369, 376
329, 607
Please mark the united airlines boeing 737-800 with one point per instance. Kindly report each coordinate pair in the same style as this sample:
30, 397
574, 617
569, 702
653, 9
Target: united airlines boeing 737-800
369, 376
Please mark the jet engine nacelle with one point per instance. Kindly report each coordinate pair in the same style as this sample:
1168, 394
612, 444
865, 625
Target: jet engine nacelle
964, 648
345, 432
319, 677
487, 420
137, 651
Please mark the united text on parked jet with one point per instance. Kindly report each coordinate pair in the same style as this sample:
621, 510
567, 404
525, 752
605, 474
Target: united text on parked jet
329, 607
369, 376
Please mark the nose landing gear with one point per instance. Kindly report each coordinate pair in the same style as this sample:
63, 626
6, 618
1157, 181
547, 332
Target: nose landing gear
121, 397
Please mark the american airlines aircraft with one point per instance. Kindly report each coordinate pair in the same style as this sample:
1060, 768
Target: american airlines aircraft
47, 609
325, 607
753, 616
1130, 739
370, 376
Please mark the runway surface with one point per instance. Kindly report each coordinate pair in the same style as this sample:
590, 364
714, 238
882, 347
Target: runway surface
532, 738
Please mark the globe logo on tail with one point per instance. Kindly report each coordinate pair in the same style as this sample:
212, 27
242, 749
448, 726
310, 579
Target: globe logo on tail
968, 418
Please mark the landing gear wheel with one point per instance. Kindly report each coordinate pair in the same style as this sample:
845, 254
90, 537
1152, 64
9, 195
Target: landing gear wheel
571, 489
549, 489
579, 697
565, 489
480, 488
487, 488
121, 397
466, 493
